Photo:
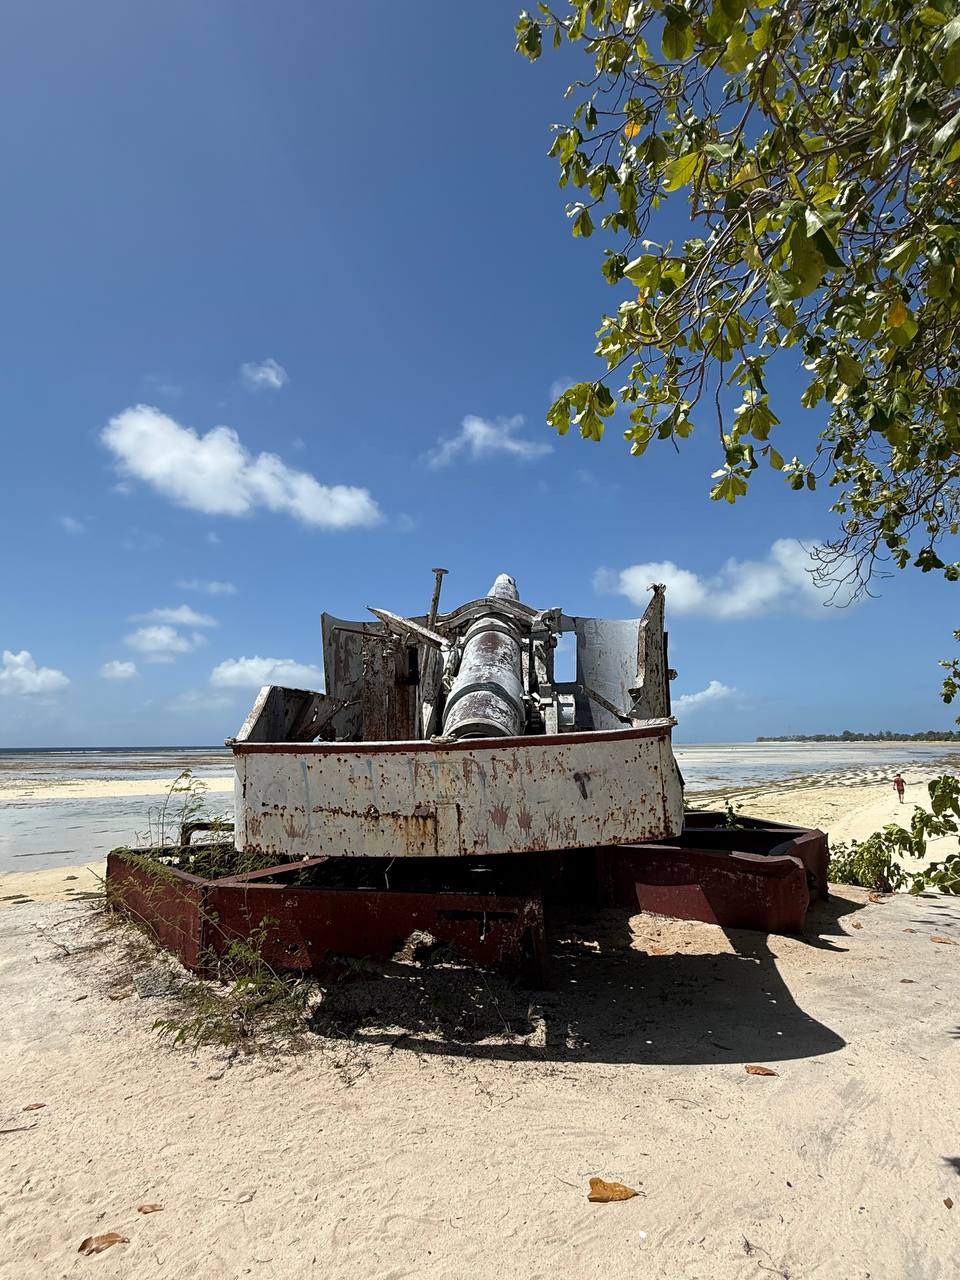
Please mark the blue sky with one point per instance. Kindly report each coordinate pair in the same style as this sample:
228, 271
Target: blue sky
341, 244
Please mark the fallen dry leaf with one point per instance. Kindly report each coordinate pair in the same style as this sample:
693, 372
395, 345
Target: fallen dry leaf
876, 897
909, 931
149, 1208
34, 1106
97, 1244
944, 942
604, 1192
119, 995
906, 979
948, 1202
856, 925
760, 1071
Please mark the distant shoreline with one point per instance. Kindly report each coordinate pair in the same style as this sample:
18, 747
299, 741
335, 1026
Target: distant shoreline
944, 738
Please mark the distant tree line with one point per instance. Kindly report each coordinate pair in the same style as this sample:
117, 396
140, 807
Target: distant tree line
885, 735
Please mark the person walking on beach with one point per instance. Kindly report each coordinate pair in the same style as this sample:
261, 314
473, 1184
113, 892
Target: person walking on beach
899, 786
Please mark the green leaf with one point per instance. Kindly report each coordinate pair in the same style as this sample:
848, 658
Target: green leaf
950, 66
738, 53
729, 488
850, 370
529, 37
559, 414
904, 255
641, 270
677, 40
946, 133
680, 171
582, 223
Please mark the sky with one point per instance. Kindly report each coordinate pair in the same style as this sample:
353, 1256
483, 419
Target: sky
285, 296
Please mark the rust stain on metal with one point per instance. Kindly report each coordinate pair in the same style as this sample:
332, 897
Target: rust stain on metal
498, 816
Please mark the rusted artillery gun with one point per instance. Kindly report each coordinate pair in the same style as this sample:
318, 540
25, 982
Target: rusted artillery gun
447, 782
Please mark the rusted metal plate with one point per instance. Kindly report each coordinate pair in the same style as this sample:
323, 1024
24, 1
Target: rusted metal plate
305, 927
481, 796
756, 874
169, 904
371, 674
708, 830
653, 677
725, 887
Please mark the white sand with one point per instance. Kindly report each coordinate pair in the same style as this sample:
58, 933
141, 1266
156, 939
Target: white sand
413, 1159
53, 884
101, 788
851, 809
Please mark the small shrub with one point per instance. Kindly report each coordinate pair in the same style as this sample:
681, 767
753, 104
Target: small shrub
866, 863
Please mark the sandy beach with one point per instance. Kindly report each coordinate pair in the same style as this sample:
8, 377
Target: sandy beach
100, 788
847, 807
393, 1150
389, 1146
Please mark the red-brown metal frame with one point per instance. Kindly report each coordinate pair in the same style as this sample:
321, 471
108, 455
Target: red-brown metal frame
305, 927
757, 875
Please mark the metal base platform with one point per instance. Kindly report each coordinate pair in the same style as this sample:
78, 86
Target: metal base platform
307, 915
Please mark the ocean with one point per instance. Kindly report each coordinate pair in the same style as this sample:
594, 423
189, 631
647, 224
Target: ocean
65, 807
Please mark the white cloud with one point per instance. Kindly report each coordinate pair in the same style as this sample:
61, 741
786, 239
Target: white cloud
714, 692
210, 588
480, 439
268, 374
253, 673
118, 670
215, 474
162, 643
181, 616
739, 589
19, 674
201, 700
72, 526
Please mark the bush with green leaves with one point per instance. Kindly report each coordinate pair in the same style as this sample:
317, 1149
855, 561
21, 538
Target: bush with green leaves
868, 863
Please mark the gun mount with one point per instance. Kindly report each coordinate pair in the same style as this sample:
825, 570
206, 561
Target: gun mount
450, 735
447, 782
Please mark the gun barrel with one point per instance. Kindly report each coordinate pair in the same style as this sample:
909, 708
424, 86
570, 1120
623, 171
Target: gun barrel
486, 699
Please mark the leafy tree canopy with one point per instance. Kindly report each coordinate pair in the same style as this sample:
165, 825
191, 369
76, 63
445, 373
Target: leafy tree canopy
818, 147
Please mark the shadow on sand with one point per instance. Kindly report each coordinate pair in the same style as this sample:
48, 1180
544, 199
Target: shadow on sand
607, 1002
